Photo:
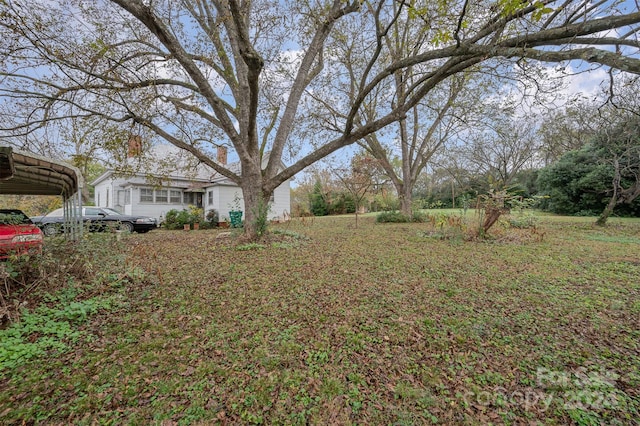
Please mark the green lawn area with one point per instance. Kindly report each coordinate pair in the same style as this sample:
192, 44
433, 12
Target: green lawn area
329, 324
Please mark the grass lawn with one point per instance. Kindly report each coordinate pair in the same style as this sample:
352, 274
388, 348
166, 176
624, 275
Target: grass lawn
328, 324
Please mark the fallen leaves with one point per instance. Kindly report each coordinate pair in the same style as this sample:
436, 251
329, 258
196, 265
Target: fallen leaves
345, 326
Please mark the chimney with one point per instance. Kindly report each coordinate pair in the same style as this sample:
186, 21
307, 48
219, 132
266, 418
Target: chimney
222, 155
135, 146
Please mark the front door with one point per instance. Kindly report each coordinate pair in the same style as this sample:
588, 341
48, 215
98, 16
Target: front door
193, 199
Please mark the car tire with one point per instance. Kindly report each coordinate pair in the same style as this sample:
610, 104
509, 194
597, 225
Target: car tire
126, 226
50, 229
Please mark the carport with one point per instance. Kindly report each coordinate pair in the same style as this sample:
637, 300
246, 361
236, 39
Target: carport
25, 173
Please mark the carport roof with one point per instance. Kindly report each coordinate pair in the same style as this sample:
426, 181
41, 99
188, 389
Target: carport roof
30, 174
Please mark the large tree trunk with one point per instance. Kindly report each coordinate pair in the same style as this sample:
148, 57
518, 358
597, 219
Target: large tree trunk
253, 196
404, 192
256, 205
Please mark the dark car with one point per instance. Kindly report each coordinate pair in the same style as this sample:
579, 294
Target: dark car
96, 219
18, 234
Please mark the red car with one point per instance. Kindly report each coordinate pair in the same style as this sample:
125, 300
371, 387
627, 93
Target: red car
18, 235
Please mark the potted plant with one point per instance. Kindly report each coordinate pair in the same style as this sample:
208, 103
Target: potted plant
195, 216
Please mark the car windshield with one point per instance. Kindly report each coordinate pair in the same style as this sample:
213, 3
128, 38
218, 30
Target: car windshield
56, 213
111, 212
13, 217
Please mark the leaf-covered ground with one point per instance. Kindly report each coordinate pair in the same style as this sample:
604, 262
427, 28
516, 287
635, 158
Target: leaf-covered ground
328, 324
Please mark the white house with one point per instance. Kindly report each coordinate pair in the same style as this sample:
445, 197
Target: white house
169, 182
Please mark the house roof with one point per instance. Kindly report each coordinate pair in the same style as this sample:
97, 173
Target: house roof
172, 178
25, 173
198, 173
163, 161
197, 187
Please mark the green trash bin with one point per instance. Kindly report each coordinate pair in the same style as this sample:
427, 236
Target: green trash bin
236, 219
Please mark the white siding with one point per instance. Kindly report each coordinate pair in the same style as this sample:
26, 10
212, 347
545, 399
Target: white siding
106, 194
281, 203
226, 203
100, 193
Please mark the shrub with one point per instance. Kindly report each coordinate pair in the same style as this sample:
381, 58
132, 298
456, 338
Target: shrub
396, 216
176, 219
384, 202
317, 201
213, 218
419, 216
392, 217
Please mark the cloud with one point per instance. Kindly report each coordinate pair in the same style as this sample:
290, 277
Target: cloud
577, 83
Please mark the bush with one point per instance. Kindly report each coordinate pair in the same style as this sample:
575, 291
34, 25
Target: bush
419, 216
396, 216
213, 218
392, 217
341, 203
317, 201
176, 219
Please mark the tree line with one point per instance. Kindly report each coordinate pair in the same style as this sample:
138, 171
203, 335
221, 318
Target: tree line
581, 159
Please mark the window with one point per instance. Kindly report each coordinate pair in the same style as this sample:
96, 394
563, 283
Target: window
210, 198
272, 199
175, 197
194, 198
127, 196
107, 203
161, 196
146, 195
98, 200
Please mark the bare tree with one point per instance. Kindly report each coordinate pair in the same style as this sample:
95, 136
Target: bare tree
202, 73
503, 147
419, 136
567, 129
359, 178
